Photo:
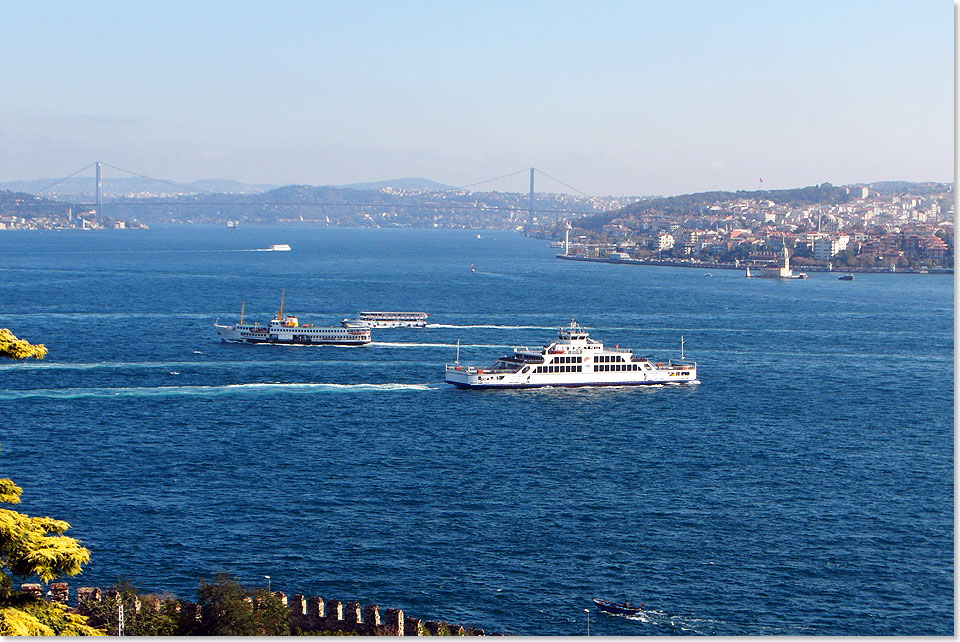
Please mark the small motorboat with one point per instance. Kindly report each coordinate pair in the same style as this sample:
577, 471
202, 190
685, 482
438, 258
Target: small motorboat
845, 277
620, 609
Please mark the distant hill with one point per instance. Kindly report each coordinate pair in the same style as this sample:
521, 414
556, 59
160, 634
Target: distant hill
85, 188
905, 187
408, 184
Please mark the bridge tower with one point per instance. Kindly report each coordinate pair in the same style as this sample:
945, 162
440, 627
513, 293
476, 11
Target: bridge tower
531, 194
99, 195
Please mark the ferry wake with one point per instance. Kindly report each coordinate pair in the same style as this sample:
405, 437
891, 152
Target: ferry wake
574, 359
286, 330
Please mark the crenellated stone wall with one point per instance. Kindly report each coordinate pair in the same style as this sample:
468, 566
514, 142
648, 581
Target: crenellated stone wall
309, 614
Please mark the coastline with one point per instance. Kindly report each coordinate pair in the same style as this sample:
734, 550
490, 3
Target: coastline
731, 266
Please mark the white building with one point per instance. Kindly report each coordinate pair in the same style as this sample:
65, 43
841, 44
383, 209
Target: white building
664, 241
825, 247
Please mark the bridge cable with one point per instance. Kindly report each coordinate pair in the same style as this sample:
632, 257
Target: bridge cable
486, 181
160, 180
564, 184
65, 178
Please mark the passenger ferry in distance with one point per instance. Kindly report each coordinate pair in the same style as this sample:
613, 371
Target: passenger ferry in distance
387, 320
574, 359
286, 330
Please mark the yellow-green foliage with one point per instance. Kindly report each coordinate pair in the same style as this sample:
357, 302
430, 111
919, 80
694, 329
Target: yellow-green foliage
19, 622
13, 348
36, 618
36, 545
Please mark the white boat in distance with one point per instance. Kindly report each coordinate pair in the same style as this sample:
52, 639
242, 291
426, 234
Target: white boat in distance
286, 330
387, 320
574, 359
279, 247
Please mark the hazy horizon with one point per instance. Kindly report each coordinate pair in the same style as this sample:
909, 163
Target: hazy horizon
609, 98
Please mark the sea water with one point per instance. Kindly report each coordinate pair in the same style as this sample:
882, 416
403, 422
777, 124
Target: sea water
804, 487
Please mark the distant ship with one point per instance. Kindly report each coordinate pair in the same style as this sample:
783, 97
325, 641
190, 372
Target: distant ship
232, 225
574, 359
286, 330
387, 320
279, 247
845, 277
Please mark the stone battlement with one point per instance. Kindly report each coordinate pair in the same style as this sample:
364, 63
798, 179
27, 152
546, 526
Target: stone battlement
309, 614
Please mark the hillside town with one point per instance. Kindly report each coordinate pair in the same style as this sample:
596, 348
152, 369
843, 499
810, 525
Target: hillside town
20, 211
870, 230
876, 227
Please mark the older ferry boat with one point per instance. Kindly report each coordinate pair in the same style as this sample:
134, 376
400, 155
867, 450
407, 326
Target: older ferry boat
286, 330
387, 320
574, 359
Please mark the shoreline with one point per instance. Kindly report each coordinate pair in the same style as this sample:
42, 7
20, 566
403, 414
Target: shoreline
731, 266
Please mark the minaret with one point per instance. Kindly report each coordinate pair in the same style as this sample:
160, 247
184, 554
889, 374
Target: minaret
566, 240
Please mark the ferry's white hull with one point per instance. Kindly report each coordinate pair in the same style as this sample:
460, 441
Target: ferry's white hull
382, 319
573, 360
469, 377
355, 323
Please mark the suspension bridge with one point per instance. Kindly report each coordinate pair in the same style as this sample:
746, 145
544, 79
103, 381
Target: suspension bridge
185, 189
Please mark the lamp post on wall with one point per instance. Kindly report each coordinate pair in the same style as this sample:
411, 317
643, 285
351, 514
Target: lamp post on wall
268, 582
587, 611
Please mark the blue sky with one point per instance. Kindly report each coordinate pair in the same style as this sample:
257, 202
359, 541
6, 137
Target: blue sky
609, 97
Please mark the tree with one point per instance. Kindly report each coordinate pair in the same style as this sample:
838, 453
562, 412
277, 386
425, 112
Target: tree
143, 614
227, 608
13, 348
36, 546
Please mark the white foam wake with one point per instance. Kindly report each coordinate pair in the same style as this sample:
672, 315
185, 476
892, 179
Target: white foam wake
494, 327
239, 388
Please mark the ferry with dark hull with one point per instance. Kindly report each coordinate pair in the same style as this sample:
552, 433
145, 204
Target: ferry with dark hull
287, 330
573, 360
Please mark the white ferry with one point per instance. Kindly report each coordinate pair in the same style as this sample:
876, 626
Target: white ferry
387, 320
285, 330
574, 359
279, 247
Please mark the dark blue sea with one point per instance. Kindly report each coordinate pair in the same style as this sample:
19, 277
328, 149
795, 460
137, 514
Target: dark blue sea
806, 487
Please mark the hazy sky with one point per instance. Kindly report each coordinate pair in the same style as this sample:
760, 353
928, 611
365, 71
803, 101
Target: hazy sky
633, 97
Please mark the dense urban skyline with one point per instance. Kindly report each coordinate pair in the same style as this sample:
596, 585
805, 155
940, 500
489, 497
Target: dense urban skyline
611, 98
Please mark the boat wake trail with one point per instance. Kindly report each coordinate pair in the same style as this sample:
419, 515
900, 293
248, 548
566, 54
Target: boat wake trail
495, 327
240, 388
435, 345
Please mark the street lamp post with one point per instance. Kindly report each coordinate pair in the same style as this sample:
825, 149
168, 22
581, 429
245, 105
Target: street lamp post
268, 582
587, 611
